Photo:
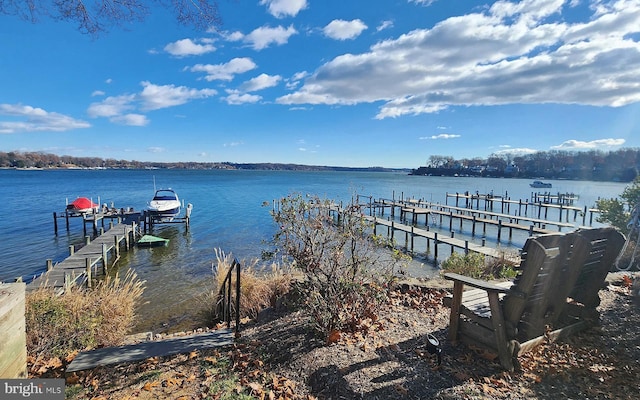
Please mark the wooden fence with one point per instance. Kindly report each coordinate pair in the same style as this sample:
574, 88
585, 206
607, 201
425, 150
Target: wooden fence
13, 337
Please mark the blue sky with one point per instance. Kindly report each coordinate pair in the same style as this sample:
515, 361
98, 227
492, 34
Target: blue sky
325, 82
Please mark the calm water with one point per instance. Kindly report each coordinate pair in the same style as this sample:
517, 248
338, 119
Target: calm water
228, 214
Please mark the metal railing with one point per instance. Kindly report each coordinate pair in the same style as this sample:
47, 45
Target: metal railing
224, 305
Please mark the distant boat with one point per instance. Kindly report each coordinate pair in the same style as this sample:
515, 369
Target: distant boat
165, 205
151, 241
540, 184
82, 205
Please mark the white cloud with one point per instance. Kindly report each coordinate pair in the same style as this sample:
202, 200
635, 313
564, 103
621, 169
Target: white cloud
236, 98
342, 30
594, 144
227, 71
384, 25
233, 144
441, 136
187, 47
32, 119
262, 81
423, 2
130, 119
284, 8
154, 97
520, 151
525, 52
156, 149
97, 93
263, 37
112, 106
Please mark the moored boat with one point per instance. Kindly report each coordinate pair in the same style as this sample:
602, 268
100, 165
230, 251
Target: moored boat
82, 205
165, 205
540, 184
152, 241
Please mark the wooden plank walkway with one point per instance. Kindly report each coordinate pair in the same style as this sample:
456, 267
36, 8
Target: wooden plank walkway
75, 267
142, 351
468, 214
441, 239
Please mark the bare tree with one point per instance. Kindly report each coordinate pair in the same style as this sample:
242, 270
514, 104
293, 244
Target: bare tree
97, 16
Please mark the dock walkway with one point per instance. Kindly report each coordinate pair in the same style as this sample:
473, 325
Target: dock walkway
412, 232
80, 264
142, 351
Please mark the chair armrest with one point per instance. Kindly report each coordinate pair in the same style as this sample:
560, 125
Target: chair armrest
476, 283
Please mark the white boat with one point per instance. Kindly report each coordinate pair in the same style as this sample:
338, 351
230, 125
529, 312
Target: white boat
540, 184
165, 205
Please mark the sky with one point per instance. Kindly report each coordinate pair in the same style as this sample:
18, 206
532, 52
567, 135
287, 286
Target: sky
356, 83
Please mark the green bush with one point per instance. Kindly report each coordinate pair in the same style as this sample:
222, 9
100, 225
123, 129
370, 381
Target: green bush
474, 265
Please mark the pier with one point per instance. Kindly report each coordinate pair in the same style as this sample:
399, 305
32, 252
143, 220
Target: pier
473, 213
80, 267
434, 239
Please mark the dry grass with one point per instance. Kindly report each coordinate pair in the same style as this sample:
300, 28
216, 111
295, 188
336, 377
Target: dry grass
79, 319
260, 287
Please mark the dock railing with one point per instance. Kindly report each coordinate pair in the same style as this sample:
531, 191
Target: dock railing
224, 305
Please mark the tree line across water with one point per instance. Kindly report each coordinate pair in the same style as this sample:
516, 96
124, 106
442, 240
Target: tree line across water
620, 165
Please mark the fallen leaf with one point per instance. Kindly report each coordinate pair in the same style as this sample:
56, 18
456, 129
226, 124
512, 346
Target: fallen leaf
150, 385
334, 336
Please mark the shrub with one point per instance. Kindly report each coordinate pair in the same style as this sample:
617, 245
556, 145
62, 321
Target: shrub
474, 265
345, 272
80, 319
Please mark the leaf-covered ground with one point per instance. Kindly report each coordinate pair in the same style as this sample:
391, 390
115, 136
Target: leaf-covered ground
278, 357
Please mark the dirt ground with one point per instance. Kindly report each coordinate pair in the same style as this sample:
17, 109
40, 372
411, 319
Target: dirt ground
277, 356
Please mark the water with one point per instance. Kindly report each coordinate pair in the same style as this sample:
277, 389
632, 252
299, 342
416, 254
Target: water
228, 214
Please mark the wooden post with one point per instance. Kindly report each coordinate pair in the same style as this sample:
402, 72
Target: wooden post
499, 229
104, 258
450, 220
412, 235
452, 247
392, 230
466, 247
66, 217
473, 227
454, 316
87, 267
55, 223
49, 264
435, 246
72, 249
87, 240
560, 213
116, 246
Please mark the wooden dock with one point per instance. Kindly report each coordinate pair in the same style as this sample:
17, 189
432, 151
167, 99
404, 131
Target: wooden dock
81, 265
404, 215
433, 238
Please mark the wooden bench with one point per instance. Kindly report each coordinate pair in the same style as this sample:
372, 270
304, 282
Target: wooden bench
555, 294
